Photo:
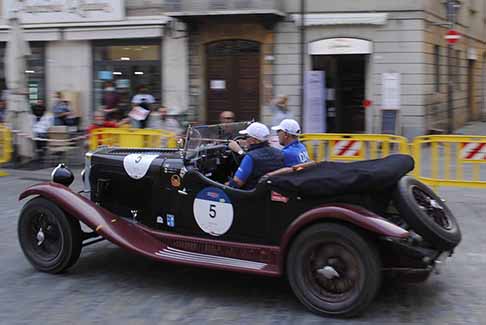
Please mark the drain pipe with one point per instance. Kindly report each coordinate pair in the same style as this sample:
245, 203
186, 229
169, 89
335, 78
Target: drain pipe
302, 59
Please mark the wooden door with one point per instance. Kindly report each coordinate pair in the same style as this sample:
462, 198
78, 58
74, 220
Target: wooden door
233, 79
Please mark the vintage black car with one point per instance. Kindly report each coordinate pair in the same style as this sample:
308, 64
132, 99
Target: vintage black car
333, 229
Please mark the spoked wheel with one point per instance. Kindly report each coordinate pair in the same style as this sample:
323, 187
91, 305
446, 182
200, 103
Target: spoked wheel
50, 240
433, 210
333, 270
427, 214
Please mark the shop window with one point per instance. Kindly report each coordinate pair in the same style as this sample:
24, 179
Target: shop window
125, 67
218, 4
35, 72
172, 5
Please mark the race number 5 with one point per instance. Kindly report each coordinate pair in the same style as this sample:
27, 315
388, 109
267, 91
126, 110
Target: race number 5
212, 210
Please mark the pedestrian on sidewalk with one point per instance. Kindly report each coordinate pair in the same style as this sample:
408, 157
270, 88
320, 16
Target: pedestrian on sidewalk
162, 120
226, 117
3, 111
279, 109
111, 99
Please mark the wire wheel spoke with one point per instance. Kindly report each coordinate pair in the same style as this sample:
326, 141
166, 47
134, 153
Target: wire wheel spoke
431, 208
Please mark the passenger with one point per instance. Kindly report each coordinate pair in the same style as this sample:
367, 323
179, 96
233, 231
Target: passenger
259, 159
288, 136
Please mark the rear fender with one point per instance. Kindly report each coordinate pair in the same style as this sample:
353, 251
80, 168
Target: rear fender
103, 222
357, 216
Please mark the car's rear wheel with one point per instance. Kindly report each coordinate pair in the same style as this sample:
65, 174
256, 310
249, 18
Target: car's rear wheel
49, 238
426, 213
333, 270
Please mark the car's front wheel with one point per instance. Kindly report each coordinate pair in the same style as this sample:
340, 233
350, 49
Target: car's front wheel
49, 238
333, 270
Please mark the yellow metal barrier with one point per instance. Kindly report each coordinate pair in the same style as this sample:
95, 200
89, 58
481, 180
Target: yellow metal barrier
450, 160
350, 147
5, 146
131, 138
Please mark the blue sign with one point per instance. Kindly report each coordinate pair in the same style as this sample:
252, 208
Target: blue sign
170, 220
105, 75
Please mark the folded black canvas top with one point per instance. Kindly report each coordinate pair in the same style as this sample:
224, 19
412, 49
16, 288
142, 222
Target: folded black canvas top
336, 178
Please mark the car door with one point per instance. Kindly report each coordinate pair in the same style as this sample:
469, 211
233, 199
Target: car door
211, 210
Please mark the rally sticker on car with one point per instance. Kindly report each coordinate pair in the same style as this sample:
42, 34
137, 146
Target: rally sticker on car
136, 165
213, 211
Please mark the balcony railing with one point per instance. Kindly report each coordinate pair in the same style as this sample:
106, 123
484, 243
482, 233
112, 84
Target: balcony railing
205, 6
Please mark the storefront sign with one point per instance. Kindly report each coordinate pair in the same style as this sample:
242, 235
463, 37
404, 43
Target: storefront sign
65, 11
340, 46
218, 84
391, 90
315, 102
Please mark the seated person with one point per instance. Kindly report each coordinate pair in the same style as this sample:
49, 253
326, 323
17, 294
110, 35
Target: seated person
288, 136
41, 122
259, 159
62, 112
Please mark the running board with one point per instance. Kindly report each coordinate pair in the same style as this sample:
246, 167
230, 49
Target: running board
213, 260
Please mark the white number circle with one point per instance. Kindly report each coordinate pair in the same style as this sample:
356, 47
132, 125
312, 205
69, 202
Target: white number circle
136, 165
213, 211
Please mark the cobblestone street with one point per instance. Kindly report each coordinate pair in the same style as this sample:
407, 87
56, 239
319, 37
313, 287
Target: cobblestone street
111, 286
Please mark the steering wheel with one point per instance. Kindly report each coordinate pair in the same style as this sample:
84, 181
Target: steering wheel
236, 158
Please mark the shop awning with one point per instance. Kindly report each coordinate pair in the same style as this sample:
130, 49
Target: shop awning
341, 19
132, 27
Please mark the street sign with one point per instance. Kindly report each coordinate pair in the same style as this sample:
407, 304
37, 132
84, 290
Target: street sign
452, 36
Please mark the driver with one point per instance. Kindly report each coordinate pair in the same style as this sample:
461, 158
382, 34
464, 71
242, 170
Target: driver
259, 160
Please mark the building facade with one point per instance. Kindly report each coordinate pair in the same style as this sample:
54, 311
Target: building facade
202, 57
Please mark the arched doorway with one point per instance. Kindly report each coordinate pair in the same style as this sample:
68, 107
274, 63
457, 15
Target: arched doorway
233, 79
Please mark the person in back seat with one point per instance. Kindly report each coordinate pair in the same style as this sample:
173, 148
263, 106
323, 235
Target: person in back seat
288, 136
259, 160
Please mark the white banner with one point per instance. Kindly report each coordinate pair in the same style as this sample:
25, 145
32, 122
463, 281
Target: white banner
315, 102
65, 11
391, 90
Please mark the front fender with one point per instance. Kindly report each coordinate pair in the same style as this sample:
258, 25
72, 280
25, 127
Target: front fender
358, 216
105, 223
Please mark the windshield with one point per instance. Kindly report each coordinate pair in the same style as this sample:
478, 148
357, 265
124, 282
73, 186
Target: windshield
205, 135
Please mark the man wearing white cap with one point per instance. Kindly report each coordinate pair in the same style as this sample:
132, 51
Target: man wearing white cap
288, 136
259, 159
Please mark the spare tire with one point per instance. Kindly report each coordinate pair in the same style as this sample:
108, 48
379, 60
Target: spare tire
426, 213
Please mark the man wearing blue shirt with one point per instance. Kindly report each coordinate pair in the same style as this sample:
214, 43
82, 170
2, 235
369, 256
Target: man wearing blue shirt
288, 136
259, 159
